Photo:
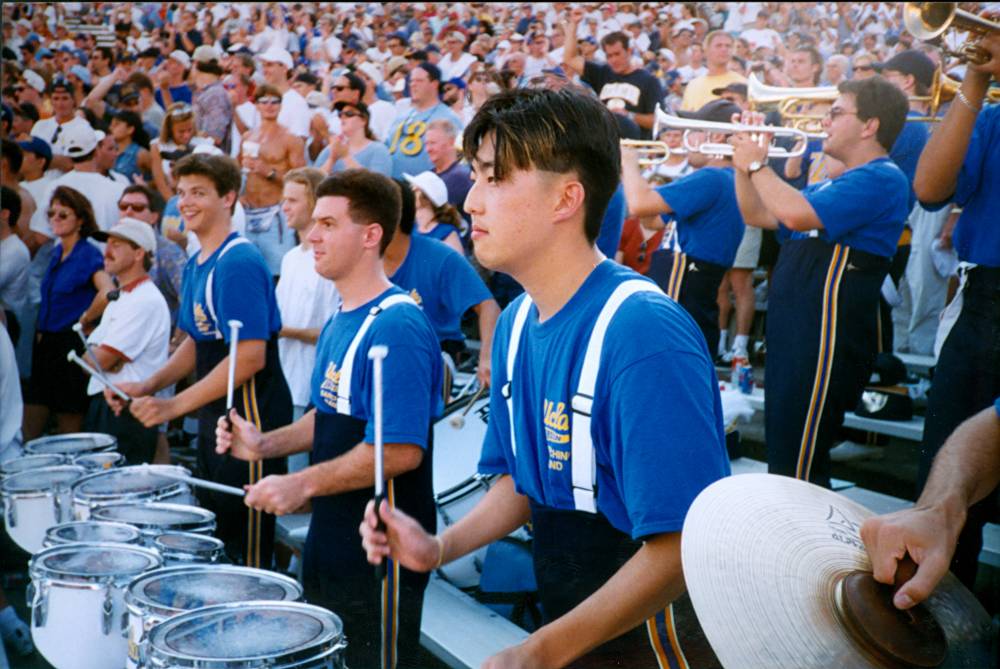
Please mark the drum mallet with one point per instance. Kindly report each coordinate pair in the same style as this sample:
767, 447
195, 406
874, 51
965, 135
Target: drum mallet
198, 483
377, 354
73, 357
458, 422
78, 329
234, 340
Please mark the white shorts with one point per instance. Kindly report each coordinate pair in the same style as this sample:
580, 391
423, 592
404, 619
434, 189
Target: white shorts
748, 252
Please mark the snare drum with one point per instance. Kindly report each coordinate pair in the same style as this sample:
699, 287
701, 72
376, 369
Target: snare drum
77, 602
155, 518
35, 500
179, 548
91, 531
130, 484
73, 444
250, 635
98, 462
26, 462
164, 593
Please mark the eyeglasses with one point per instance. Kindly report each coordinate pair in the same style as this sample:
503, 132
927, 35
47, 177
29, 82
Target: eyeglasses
59, 215
269, 101
229, 87
834, 112
340, 88
134, 206
864, 68
350, 114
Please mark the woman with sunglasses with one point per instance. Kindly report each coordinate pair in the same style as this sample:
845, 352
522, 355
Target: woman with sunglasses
173, 144
73, 290
356, 146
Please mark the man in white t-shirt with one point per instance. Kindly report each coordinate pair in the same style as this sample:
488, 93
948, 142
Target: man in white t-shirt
54, 129
305, 299
131, 342
760, 35
456, 61
295, 114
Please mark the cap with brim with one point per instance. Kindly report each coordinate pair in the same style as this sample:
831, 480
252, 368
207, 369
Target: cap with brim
37, 146
360, 106
430, 185
718, 111
739, 89
205, 54
395, 63
151, 52
181, 57
45, 53
34, 80
60, 82
133, 230
457, 82
278, 55
317, 99
78, 139
372, 71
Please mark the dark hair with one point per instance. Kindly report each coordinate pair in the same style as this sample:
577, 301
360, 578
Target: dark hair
815, 57
371, 197
10, 201
616, 37
133, 120
355, 83
408, 209
153, 197
432, 70
223, 171
266, 91
27, 110
209, 67
78, 202
445, 213
875, 97
108, 53
139, 80
13, 155
557, 131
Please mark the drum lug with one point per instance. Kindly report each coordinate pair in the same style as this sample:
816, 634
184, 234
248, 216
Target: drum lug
57, 506
107, 608
124, 624
40, 605
11, 513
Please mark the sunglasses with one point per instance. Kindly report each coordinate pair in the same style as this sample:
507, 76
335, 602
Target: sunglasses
134, 206
269, 101
865, 68
229, 87
59, 215
350, 114
340, 88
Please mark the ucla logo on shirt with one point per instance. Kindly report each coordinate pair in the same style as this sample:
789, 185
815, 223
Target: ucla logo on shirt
201, 320
328, 389
556, 433
416, 297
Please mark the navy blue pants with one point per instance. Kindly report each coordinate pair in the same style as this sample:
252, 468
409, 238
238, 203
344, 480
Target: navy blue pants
966, 381
822, 338
692, 283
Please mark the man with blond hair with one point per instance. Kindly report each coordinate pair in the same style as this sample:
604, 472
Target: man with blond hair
718, 52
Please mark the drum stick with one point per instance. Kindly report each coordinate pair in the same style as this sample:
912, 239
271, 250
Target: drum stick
78, 329
198, 483
73, 357
377, 355
234, 339
458, 422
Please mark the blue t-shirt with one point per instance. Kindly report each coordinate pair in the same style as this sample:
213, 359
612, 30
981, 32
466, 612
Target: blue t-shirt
907, 149
440, 280
709, 224
374, 158
440, 232
656, 420
458, 181
611, 225
242, 289
977, 235
180, 93
68, 287
411, 372
406, 139
864, 208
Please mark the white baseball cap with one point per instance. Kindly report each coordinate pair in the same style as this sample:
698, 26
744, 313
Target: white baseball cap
278, 55
34, 80
181, 57
133, 230
430, 185
372, 70
78, 139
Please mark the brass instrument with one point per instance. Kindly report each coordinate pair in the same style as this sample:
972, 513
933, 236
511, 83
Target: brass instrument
788, 102
928, 21
651, 152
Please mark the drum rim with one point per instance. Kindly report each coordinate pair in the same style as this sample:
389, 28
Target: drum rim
205, 523
142, 605
320, 649
62, 459
50, 534
118, 457
91, 498
216, 543
110, 442
44, 491
39, 572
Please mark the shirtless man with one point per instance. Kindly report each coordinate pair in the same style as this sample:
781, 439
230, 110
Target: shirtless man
267, 153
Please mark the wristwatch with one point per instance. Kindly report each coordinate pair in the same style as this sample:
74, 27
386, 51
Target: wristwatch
755, 166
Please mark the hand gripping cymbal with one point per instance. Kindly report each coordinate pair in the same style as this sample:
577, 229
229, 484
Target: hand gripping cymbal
779, 577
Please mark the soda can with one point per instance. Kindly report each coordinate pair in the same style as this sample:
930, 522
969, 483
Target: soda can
746, 379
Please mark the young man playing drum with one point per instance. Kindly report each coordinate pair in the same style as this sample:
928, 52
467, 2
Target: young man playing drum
227, 280
355, 216
577, 431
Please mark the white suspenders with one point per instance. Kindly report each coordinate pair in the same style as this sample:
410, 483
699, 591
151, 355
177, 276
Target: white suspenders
347, 368
235, 241
584, 467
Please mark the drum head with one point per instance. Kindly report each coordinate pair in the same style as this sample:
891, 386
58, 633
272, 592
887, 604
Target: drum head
100, 461
126, 481
72, 444
27, 462
157, 515
42, 480
188, 543
92, 531
93, 561
174, 589
247, 631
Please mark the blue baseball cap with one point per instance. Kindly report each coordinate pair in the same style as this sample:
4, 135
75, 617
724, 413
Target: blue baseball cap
457, 82
44, 52
37, 146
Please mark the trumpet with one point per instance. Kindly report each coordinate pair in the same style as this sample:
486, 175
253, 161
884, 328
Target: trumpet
788, 102
687, 126
930, 20
651, 152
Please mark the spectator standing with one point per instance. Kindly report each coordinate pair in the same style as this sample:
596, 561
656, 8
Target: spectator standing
213, 110
718, 52
170, 79
14, 263
455, 173
54, 129
406, 140
173, 144
277, 63
456, 61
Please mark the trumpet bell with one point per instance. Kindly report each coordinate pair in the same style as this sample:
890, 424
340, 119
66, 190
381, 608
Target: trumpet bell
928, 20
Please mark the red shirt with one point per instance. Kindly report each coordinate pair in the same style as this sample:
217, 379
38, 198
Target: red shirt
635, 250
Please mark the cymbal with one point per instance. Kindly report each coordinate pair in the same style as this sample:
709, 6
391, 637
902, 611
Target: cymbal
765, 561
